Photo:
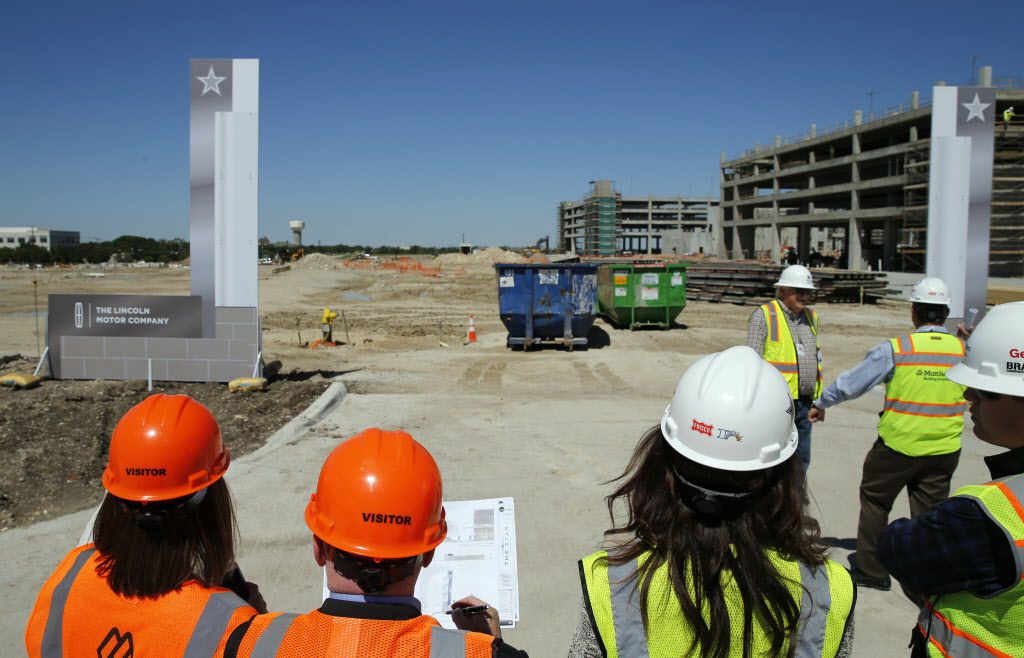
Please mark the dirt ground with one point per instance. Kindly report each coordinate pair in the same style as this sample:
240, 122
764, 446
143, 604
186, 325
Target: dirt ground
54, 437
547, 426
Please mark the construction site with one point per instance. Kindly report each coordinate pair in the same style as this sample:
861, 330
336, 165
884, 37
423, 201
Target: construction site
529, 373
547, 424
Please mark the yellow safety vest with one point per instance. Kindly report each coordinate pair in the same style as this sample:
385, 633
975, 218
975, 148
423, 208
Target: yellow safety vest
826, 595
924, 411
961, 625
1008, 115
780, 348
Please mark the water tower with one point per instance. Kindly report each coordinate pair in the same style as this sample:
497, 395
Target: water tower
296, 225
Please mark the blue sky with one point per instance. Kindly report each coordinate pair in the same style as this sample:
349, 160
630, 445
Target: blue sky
396, 122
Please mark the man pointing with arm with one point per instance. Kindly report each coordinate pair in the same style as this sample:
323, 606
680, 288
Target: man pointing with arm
918, 445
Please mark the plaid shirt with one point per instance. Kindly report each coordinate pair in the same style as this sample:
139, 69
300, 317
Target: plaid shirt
807, 352
955, 547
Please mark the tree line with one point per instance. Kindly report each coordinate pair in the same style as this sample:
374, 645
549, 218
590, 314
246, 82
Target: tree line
133, 248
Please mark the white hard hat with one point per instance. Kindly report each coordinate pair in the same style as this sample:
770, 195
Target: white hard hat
931, 290
994, 359
795, 276
732, 410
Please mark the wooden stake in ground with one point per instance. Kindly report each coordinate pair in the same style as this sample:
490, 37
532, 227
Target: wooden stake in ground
298, 320
344, 323
35, 295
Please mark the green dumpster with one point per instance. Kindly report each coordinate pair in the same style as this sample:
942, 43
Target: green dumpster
641, 294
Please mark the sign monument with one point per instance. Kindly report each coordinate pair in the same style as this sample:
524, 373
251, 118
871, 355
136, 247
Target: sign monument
212, 335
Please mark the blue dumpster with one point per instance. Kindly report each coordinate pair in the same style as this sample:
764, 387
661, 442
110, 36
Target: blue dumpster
548, 302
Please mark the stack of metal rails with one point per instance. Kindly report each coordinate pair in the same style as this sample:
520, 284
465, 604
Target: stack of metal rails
740, 282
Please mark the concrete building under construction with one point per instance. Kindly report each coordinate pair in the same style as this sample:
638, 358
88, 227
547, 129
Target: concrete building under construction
866, 177
606, 223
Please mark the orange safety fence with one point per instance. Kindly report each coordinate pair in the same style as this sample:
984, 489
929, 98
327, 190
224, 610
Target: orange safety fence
402, 264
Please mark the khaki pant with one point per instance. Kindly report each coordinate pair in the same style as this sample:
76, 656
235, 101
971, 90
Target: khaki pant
886, 473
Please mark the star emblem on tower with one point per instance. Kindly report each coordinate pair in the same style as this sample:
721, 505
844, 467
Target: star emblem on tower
211, 82
975, 109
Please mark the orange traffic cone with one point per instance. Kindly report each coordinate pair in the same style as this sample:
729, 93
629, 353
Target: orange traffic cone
471, 332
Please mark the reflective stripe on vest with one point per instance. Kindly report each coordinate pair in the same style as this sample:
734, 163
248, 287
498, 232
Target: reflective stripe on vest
936, 409
53, 636
923, 410
212, 623
445, 643
270, 639
780, 346
631, 638
814, 607
960, 624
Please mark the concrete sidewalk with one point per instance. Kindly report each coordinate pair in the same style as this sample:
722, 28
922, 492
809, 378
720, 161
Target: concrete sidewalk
546, 428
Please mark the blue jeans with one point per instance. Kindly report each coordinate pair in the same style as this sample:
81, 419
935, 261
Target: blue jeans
803, 431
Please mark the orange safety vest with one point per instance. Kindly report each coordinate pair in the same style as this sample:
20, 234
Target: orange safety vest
78, 615
319, 634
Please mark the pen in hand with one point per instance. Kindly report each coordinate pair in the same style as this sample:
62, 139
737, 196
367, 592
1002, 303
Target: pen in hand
468, 610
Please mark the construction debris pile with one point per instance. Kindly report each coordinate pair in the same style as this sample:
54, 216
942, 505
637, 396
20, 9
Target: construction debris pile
742, 282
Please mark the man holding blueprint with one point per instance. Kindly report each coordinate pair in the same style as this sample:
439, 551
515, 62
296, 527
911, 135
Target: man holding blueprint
376, 519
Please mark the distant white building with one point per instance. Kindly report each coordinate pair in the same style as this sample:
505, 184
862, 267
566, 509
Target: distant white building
11, 237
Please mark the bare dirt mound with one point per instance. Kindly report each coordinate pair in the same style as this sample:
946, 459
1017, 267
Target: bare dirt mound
322, 262
480, 258
54, 437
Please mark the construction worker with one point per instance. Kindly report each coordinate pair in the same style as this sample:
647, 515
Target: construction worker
327, 325
717, 556
918, 445
963, 559
1008, 115
785, 332
376, 518
150, 584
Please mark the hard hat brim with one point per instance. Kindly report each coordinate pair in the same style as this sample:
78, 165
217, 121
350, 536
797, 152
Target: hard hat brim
780, 284
967, 376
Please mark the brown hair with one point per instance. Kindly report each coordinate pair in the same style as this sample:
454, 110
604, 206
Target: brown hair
698, 546
150, 557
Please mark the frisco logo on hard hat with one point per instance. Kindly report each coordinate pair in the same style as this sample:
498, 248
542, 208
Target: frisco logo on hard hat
702, 428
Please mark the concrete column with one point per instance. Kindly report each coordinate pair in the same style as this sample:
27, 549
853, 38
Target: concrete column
915, 100
858, 117
985, 76
650, 225
889, 252
913, 133
776, 242
778, 141
855, 257
814, 130
803, 243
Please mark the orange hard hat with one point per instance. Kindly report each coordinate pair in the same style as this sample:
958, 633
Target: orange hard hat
165, 447
379, 496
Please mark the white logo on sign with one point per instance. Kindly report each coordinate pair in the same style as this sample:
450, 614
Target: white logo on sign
211, 82
79, 315
976, 109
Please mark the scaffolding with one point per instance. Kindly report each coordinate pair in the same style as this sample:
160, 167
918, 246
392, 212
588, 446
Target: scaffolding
1006, 254
913, 237
1006, 241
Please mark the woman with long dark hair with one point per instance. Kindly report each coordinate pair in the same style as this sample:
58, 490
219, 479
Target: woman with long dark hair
717, 556
152, 582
